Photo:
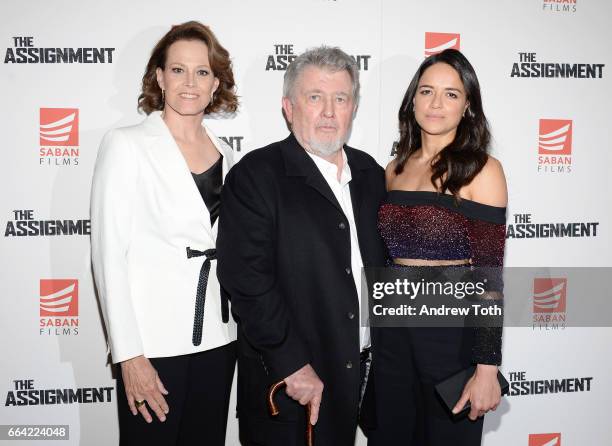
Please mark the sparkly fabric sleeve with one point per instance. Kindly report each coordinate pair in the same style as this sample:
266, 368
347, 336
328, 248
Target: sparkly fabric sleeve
487, 242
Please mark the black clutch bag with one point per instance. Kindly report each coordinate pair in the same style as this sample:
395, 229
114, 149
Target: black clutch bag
450, 389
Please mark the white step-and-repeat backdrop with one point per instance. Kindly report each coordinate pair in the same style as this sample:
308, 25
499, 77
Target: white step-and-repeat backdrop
75, 68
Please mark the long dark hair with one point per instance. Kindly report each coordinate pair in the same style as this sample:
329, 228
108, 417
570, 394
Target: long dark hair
458, 163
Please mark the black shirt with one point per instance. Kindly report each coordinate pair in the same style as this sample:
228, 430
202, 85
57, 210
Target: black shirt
209, 184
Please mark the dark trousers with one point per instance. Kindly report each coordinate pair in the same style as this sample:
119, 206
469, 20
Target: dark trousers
407, 364
199, 388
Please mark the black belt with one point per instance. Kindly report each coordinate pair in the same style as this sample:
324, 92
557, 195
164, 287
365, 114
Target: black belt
198, 318
365, 362
364, 355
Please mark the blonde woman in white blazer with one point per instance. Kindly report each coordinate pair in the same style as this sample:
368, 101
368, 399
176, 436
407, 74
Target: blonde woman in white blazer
154, 208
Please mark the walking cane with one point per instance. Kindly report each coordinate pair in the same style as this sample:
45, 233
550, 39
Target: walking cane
274, 411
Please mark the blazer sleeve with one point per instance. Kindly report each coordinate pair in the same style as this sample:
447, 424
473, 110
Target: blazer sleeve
487, 242
113, 199
247, 270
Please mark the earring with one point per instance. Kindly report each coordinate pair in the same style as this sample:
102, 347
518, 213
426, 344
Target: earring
163, 96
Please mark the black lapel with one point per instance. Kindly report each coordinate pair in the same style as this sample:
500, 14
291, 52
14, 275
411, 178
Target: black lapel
359, 190
299, 164
358, 184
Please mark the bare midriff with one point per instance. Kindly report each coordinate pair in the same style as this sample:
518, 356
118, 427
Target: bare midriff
424, 262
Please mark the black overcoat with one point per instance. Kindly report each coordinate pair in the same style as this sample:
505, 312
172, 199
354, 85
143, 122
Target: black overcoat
284, 259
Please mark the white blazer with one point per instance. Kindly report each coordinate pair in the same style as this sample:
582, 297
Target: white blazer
145, 211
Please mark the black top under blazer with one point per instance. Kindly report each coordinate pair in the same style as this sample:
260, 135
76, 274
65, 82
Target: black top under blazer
284, 258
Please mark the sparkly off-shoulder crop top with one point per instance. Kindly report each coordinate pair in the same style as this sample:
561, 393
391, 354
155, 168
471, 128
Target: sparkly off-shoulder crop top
432, 226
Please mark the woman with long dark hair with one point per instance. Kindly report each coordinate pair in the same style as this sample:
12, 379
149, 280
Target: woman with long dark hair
445, 208
154, 210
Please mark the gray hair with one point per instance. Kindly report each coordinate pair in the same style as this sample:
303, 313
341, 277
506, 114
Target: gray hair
329, 58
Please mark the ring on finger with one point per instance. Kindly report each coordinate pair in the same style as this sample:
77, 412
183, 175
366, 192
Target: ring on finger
139, 403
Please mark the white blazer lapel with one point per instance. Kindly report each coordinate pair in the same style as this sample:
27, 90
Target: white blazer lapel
226, 152
223, 149
172, 168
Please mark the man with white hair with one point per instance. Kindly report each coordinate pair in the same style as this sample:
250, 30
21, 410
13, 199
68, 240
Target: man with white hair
298, 223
